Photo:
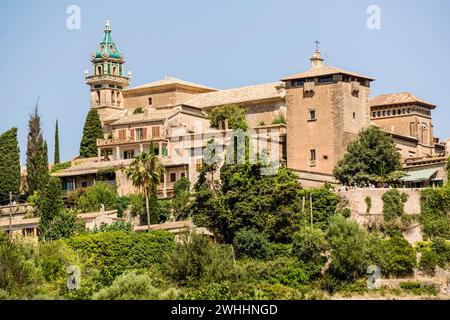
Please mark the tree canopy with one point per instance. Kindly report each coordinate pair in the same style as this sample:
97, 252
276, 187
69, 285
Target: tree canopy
370, 158
9, 164
91, 132
37, 157
234, 114
56, 156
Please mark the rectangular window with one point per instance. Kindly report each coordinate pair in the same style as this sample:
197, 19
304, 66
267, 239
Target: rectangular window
84, 184
129, 154
325, 79
374, 114
150, 102
354, 115
70, 185
173, 177
312, 154
183, 174
139, 134
298, 83
312, 115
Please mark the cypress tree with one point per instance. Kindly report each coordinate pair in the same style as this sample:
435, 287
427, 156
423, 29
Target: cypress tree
9, 164
91, 132
50, 204
37, 158
56, 157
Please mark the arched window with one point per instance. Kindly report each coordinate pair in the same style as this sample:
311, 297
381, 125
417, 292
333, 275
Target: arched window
99, 70
114, 70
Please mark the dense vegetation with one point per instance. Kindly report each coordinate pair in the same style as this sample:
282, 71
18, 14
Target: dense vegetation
370, 159
37, 155
9, 165
92, 131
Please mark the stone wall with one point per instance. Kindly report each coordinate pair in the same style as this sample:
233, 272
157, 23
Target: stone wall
358, 207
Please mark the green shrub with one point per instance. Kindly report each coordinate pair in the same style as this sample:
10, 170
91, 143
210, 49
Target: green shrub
279, 120
349, 249
442, 249
428, 262
398, 257
393, 204
115, 226
419, 288
197, 260
281, 270
309, 245
97, 195
138, 110
281, 249
122, 204
368, 201
434, 216
19, 275
115, 252
252, 244
132, 286
61, 166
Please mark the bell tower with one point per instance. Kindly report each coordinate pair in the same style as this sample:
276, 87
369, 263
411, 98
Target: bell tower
107, 80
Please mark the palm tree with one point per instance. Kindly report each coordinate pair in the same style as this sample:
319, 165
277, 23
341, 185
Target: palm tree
145, 172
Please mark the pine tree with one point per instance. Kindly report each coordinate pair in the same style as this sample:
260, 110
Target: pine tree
9, 164
91, 132
37, 158
56, 157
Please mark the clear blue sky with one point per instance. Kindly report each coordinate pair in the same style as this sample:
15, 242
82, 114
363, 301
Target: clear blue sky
222, 44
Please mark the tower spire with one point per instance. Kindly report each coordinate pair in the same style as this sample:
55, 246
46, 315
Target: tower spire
316, 58
107, 26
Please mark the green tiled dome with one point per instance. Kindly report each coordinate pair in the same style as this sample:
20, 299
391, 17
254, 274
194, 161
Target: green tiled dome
107, 47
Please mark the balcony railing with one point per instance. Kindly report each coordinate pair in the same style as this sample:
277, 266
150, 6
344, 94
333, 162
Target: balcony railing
98, 78
117, 141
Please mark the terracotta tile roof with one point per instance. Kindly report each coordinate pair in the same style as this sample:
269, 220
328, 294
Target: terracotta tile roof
324, 70
170, 81
93, 166
237, 95
398, 98
148, 115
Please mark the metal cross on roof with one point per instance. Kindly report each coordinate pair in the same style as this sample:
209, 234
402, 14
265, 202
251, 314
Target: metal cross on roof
317, 45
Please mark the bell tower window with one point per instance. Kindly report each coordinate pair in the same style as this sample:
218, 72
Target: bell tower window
99, 70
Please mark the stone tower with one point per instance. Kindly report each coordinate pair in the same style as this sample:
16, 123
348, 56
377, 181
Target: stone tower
107, 80
326, 108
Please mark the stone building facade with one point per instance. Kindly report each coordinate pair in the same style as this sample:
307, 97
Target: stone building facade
305, 121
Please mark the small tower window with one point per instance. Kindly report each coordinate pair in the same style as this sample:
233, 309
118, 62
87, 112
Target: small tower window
312, 115
114, 70
99, 70
98, 98
150, 102
312, 154
354, 115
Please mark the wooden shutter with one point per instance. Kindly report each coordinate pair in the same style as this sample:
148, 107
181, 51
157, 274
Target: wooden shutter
144, 133
155, 132
132, 134
121, 135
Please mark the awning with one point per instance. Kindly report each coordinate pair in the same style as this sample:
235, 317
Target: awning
419, 175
